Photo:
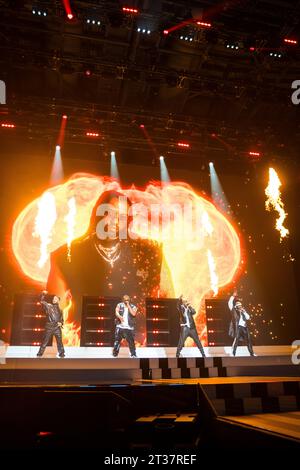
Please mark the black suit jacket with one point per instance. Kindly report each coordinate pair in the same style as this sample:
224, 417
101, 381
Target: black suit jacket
190, 313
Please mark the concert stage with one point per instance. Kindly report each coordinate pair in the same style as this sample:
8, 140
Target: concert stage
96, 365
190, 402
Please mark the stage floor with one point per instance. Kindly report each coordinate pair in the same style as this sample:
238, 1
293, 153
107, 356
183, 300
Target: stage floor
19, 365
15, 352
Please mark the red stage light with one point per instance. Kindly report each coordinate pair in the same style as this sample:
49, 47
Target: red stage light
205, 25
142, 126
68, 9
130, 10
254, 154
3, 330
92, 134
65, 116
252, 49
6, 125
166, 31
183, 144
290, 41
88, 73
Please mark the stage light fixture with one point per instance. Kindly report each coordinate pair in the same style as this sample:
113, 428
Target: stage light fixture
166, 32
183, 144
204, 24
93, 22
232, 46
143, 30
291, 41
92, 134
186, 38
254, 155
132, 11
65, 116
38, 12
277, 55
68, 9
7, 125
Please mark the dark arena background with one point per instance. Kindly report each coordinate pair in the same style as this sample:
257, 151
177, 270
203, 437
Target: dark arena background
182, 117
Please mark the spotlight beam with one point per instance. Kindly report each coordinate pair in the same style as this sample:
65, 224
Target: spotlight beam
202, 21
114, 172
57, 172
164, 174
68, 9
149, 140
62, 130
217, 192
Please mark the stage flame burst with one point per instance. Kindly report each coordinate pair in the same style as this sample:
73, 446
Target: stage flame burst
44, 223
274, 201
212, 270
71, 220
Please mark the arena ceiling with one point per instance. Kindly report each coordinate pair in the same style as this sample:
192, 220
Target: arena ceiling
224, 89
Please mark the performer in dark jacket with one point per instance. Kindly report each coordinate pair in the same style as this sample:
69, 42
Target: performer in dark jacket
54, 323
239, 324
125, 325
188, 326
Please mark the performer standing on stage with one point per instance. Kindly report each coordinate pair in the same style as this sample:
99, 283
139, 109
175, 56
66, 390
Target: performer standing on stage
238, 326
125, 325
54, 324
188, 326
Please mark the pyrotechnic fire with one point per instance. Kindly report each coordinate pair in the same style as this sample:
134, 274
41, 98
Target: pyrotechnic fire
212, 270
44, 223
274, 201
71, 331
71, 220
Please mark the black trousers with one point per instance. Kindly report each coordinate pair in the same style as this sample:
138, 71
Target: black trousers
124, 333
192, 333
52, 329
242, 334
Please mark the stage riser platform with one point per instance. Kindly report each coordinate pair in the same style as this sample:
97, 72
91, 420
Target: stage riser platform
248, 398
96, 365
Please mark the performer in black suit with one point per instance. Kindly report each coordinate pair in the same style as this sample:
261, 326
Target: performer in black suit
238, 328
125, 325
188, 326
53, 326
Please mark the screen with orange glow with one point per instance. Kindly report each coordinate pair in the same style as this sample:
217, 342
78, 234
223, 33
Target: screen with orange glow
175, 240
